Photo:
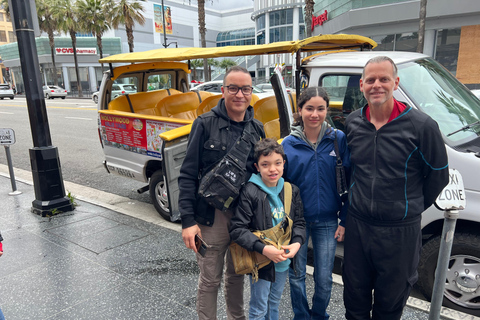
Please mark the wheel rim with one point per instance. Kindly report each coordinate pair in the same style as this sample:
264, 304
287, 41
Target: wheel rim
161, 196
462, 286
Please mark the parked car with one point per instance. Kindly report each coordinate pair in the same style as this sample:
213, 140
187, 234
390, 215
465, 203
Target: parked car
267, 87
215, 86
121, 89
50, 92
6, 91
95, 97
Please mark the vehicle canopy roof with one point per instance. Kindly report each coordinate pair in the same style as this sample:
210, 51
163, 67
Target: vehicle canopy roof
312, 44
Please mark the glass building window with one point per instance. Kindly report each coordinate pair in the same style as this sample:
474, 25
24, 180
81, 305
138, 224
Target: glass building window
406, 42
385, 42
448, 44
281, 34
301, 17
1, 17
3, 36
261, 22
12, 37
261, 37
281, 17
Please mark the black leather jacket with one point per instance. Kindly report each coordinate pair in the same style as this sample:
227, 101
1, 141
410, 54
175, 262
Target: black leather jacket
253, 213
212, 135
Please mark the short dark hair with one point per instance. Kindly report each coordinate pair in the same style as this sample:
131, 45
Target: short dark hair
235, 69
306, 95
266, 146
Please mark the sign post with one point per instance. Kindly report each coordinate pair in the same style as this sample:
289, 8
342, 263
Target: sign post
7, 137
451, 200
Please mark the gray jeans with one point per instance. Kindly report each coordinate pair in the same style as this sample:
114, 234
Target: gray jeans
211, 270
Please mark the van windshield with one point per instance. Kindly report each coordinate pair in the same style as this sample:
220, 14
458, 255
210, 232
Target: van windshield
440, 95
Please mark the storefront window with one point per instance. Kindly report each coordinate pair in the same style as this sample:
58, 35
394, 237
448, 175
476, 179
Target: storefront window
385, 43
51, 79
448, 43
83, 73
406, 42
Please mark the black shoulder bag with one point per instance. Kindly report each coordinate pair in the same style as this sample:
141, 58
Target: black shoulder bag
221, 185
340, 171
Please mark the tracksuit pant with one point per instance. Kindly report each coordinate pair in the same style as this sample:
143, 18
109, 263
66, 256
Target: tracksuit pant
380, 256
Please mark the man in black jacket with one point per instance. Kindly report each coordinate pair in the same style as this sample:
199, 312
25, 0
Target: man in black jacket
213, 134
399, 166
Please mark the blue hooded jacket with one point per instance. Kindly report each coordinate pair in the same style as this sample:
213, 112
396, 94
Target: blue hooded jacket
311, 167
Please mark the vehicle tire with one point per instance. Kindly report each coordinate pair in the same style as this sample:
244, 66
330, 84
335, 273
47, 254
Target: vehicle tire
158, 194
63, 98
1, 98
11, 98
47, 96
462, 286
95, 99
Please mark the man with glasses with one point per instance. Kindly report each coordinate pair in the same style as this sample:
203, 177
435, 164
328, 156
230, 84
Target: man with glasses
213, 134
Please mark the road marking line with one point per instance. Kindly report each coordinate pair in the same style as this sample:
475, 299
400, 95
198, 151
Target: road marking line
7, 113
77, 118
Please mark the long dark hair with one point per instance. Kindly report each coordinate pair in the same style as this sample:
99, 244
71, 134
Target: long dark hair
306, 95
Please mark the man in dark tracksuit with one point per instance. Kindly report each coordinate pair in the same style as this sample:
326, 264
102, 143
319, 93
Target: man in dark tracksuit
213, 134
399, 166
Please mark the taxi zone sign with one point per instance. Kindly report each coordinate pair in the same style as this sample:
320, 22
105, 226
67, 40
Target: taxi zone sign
452, 196
7, 136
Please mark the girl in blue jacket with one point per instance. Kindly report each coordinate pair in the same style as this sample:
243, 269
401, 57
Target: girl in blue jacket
311, 161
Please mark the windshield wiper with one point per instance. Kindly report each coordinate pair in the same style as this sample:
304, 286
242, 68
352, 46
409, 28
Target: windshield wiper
468, 126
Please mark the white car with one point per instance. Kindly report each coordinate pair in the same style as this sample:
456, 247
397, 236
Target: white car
95, 97
267, 87
121, 89
6, 91
50, 92
215, 86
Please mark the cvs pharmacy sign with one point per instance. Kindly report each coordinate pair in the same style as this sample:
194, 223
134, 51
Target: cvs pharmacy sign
79, 50
318, 21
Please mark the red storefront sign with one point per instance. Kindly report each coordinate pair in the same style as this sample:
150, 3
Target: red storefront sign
79, 50
318, 21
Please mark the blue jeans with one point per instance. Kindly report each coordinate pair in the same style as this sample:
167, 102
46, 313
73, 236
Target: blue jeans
1, 315
324, 245
265, 297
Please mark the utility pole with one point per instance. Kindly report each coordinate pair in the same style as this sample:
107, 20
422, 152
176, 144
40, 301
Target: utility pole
44, 160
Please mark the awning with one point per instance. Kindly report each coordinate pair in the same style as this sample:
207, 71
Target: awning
316, 43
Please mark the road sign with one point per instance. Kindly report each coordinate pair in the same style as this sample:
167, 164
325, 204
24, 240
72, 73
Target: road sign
7, 136
452, 196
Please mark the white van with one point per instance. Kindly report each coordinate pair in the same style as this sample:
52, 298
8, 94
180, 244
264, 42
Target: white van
427, 86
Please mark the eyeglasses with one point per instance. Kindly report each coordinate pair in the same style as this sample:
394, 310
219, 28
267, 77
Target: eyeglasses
245, 90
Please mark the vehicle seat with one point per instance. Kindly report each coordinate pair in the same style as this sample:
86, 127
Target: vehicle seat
255, 98
142, 102
266, 111
181, 106
208, 104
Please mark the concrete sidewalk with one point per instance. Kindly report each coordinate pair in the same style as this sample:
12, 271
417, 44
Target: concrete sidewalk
108, 259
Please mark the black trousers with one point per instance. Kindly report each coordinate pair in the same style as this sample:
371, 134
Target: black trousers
381, 257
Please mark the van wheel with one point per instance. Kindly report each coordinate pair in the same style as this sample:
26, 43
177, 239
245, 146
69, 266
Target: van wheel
462, 286
158, 195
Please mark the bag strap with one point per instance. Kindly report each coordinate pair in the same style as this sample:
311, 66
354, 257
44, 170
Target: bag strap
241, 149
337, 152
287, 192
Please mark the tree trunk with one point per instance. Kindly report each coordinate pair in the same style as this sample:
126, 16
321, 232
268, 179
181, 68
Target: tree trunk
74, 45
308, 17
51, 40
129, 30
203, 31
421, 27
100, 47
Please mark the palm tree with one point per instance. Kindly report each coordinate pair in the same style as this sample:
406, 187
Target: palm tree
66, 14
127, 12
194, 64
421, 27
308, 16
203, 30
227, 63
48, 24
6, 8
95, 18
